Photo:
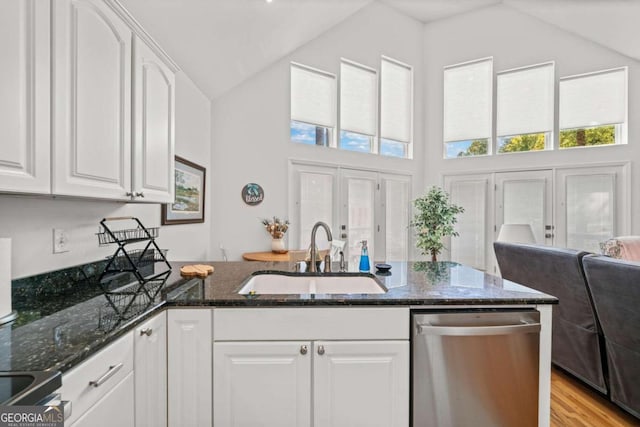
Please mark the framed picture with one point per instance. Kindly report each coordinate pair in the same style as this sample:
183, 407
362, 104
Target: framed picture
188, 206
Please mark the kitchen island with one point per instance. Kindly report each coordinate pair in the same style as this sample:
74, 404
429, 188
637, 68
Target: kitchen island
67, 338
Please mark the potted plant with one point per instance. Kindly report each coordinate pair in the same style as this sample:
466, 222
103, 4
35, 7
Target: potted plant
434, 220
276, 227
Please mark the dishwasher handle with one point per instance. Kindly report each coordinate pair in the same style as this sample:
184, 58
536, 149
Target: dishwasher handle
520, 328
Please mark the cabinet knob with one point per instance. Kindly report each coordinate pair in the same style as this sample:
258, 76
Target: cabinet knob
146, 331
140, 194
303, 349
320, 350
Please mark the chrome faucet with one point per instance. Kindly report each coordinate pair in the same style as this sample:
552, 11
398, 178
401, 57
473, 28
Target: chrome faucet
314, 249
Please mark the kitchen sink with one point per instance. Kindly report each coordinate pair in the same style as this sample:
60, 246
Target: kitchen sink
28, 388
272, 282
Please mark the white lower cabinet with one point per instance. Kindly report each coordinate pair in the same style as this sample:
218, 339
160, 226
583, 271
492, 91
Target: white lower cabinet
313, 371
262, 383
150, 366
101, 389
189, 367
361, 383
114, 409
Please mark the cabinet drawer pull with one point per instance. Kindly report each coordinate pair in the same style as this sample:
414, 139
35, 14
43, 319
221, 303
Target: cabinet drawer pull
303, 349
321, 350
146, 331
111, 372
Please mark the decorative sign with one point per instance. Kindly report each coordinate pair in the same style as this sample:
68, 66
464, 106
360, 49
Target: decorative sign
252, 194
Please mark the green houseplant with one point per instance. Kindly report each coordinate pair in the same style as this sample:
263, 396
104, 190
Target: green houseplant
434, 220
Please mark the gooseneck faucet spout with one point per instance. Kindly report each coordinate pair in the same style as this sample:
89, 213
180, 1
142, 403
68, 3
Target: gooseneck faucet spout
314, 250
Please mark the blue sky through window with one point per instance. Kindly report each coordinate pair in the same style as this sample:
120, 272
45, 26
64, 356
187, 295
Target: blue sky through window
455, 148
303, 133
355, 142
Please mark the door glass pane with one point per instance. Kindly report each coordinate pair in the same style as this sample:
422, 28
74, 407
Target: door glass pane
396, 220
468, 247
590, 210
360, 208
316, 204
524, 203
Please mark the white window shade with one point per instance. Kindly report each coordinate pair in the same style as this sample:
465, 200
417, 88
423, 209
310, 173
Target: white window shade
468, 101
395, 101
313, 96
593, 99
358, 99
525, 100
468, 247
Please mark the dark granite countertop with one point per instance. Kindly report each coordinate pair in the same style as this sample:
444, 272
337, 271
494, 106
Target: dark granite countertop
62, 338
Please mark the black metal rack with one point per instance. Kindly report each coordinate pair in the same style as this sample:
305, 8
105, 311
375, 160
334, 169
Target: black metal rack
139, 294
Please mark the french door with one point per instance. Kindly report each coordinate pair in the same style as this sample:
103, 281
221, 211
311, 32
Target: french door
357, 204
526, 198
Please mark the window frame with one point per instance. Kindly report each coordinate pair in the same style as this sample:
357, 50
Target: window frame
376, 125
408, 145
334, 103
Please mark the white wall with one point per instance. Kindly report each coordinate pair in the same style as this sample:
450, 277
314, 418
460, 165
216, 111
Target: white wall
251, 140
29, 220
515, 39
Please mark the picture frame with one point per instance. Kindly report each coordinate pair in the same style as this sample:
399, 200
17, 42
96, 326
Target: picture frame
190, 186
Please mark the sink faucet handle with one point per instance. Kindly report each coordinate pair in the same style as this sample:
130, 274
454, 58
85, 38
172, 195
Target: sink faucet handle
327, 263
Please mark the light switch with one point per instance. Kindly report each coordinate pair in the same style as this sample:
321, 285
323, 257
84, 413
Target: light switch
60, 241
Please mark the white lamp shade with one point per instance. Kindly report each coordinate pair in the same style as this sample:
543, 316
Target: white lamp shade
516, 233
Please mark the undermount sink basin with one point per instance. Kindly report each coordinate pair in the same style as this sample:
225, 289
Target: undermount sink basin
27, 388
336, 283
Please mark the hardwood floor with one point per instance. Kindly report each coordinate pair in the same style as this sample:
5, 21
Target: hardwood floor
575, 405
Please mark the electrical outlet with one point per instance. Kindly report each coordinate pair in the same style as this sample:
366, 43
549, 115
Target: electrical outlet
60, 241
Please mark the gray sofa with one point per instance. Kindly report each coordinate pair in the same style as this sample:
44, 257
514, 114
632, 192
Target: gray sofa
615, 287
577, 340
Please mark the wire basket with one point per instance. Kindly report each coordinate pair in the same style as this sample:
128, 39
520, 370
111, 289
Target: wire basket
133, 299
132, 260
127, 235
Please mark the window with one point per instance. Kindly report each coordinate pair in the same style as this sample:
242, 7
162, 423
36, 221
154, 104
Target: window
468, 99
313, 106
593, 109
358, 106
525, 109
396, 108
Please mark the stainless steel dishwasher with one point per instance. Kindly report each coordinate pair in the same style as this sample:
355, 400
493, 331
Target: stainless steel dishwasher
475, 368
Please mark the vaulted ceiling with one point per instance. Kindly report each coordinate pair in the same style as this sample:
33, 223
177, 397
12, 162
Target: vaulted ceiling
220, 43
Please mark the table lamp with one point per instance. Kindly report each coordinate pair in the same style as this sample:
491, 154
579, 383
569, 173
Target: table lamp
516, 233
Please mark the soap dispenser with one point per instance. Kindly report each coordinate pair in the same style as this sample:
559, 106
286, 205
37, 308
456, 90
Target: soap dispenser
364, 258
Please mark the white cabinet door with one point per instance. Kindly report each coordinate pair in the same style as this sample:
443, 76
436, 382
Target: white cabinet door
150, 366
189, 367
24, 99
262, 384
91, 101
362, 383
114, 409
153, 144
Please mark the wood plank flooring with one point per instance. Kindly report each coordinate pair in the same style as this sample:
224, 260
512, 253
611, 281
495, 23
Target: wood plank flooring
574, 404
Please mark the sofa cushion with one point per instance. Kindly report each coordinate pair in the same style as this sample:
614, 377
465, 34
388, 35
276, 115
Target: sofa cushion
623, 247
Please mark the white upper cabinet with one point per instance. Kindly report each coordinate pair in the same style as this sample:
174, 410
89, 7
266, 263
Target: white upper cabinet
103, 78
153, 145
24, 99
91, 101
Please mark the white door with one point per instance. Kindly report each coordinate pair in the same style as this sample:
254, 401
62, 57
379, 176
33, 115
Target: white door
91, 100
262, 384
591, 207
189, 366
359, 210
153, 144
395, 210
24, 103
526, 198
150, 367
470, 192
114, 409
362, 383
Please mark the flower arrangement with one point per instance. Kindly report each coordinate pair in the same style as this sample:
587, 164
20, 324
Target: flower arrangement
276, 227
